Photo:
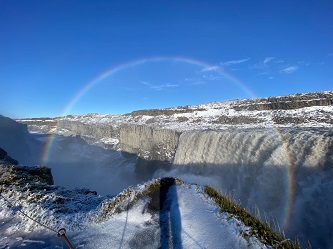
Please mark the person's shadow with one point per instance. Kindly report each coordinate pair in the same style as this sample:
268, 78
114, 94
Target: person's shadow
169, 215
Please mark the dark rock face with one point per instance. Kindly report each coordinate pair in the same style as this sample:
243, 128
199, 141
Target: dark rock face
167, 112
236, 120
287, 102
149, 143
4, 156
96, 131
21, 175
155, 148
16, 140
10, 173
42, 173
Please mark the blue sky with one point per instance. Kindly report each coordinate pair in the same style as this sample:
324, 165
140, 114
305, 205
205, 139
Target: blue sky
158, 53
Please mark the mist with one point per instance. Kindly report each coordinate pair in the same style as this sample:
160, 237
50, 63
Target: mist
285, 178
78, 164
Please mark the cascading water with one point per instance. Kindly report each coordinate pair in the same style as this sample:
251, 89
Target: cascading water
286, 173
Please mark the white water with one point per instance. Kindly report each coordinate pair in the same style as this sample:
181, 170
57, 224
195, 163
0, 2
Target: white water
287, 174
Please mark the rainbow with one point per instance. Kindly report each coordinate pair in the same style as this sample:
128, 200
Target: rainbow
134, 63
291, 182
191, 61
130, 64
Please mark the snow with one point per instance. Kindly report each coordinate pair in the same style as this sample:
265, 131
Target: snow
206, 116
202, 226
109, 141
193, 220
203, 116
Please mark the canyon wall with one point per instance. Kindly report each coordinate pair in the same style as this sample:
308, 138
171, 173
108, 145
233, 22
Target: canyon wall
155, 148
94, 131
285, 172
16, 140
287, 102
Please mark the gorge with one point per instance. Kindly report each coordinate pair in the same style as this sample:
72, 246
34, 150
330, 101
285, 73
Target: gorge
274, 156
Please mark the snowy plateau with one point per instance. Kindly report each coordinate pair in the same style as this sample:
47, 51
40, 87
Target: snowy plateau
273, 156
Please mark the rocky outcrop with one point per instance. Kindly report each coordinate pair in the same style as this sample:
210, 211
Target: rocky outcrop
223, 119
96, 131
6, 158
16, 140
12, 174
30, 192
166, 112
278, 111
287, 102
20, 175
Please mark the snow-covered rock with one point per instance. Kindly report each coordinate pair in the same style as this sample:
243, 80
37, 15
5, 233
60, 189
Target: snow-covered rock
303, 110
163, 213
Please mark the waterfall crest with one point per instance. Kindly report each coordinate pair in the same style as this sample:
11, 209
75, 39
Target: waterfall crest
286, 173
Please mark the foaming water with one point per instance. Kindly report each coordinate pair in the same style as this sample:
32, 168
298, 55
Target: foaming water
286, 174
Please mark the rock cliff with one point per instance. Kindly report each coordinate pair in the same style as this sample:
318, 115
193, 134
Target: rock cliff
153, 135
308, 109
288, 102
155, 148
95, 131
6, 158
16, 140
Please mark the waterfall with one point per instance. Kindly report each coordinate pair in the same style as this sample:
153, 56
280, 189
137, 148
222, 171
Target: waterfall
286, 173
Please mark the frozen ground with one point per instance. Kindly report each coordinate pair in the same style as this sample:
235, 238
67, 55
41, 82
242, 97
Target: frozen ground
216, 115
188, 218
297, 156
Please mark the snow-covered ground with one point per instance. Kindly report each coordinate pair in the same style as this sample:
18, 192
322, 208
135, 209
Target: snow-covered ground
216, 115
190, 220
193, 222
207, 117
